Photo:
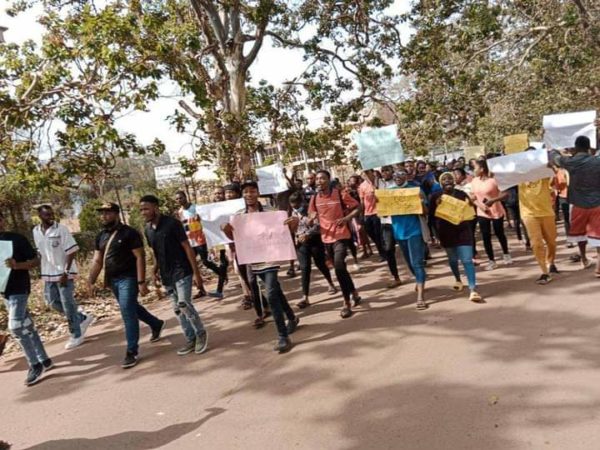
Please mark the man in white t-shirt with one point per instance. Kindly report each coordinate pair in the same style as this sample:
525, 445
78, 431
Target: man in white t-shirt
57, 249
387, 233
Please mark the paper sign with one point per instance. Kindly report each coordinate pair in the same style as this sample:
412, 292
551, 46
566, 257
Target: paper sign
516, 143
524, 167
271, 179
6, 252
399, 202
454, 210
561, 130
378, 147
262, 237
474, 152
214, 215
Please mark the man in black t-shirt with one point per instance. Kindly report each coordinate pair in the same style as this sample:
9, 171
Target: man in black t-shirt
120, 250
16, 293
175, 265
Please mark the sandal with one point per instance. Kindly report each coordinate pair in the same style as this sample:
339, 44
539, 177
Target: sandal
247, 304
259, 322
346, 312
458, 286
475, 297
586, 263
357, 300
332, 290
303, 304
421, 305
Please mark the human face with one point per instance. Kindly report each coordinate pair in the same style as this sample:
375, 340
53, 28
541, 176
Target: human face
421, 168
46, 215
353, 182
447, 184
149, 211
298, 184
409, 166
108, 218
322, 181
458, 176
181, 199
296, 204
231, 195
386, 174
218, 194
400, 179
250, 194
478, 169
310, 180
369, 175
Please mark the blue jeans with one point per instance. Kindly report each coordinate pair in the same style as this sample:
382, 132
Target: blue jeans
189, 319
464, 253
413, 250
280, 308
126, 293
61, 299
22, 329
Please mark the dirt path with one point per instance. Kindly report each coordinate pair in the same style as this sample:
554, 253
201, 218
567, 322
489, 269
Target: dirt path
518, 372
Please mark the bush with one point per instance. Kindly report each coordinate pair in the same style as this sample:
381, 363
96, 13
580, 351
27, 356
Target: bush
88, 217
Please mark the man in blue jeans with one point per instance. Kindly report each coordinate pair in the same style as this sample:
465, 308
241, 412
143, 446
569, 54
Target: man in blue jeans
16, 293
57, 248
120, 250
175, 265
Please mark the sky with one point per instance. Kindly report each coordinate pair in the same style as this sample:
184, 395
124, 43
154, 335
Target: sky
275, 65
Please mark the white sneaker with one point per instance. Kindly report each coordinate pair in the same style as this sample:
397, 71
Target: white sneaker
89, 319
508, 260
74, 342
491, 265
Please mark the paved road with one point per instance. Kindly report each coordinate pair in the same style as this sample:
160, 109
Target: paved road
518, 372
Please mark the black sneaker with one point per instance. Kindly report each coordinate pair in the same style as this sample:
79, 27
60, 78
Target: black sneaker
553, 269
292, 325
357, 300
544, 279
189, 347
157, 333
131, 359
48, 364
34, 375
283, 345
201, 343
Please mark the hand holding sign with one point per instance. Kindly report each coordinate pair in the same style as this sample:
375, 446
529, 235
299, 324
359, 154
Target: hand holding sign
399, 202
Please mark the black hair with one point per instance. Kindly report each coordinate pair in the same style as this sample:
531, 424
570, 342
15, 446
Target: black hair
582, 143
460, 170
484, 166
296, 197
232, 187
181, 193
44, 207
150, 199
325, 172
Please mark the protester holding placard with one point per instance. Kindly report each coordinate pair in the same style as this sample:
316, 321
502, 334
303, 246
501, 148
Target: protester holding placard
408, 232
388, 241
372, 223
457, 239
463, 183
334, 209
490, 213
584, 196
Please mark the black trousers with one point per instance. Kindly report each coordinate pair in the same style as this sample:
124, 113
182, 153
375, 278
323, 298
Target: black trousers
388, 242
220, 271
337, 251
314, 249
373, 228
485, 225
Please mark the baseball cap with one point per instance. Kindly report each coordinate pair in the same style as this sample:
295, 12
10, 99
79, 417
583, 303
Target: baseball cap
109, 206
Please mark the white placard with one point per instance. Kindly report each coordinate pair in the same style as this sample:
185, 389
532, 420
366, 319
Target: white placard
524, 167
271, 179
6, 252
561, 130
213, 215
378, 147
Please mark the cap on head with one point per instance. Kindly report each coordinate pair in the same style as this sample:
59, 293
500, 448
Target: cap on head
109, 206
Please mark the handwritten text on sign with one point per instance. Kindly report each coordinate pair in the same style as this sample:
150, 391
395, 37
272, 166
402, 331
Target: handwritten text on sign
454, 210
399, 202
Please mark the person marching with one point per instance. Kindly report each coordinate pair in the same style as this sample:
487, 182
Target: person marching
308, 245
57, 248
388, 242
371, 222
120, 251
334, 210
175, 265
457, 240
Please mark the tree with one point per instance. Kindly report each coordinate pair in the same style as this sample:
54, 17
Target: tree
121, 48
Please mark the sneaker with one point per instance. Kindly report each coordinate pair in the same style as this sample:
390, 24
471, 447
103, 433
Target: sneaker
291, 273
458, 286
34, 374
130, 360
199, 294
189, 347
283, 345
491, 265
553, 269
508, 259
216, 294
356, 267
544, 279
357, 299
85, 323
47, 364
394, 284
201, 343
74, 342
156, 334
292, 325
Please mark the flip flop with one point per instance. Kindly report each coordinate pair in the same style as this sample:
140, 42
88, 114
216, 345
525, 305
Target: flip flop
422, 306
345, 313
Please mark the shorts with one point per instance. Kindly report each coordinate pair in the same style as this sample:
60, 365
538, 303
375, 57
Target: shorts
585, 225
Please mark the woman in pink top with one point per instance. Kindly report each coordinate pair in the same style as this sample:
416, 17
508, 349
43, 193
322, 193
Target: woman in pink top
490, 213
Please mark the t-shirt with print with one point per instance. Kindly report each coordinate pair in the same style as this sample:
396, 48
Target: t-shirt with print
330, 208
366, 192
487, 189
18, 281
535, 199
192, 224
54, 245
119, 260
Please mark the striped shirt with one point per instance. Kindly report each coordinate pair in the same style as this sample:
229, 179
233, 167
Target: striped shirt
54, 245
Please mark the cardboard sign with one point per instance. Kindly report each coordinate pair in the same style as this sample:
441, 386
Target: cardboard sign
399, 202
271, 179
516, 143
561, 130
454, 210
474, 152
6, 252
378, 147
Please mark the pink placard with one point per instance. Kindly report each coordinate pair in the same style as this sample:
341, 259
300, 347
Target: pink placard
262, 237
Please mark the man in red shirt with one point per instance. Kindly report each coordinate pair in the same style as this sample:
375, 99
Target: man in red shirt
334, 209
366, 191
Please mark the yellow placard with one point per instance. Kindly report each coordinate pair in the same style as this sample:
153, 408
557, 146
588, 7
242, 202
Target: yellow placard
399, 202
454, 210
474, 152
516, 143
